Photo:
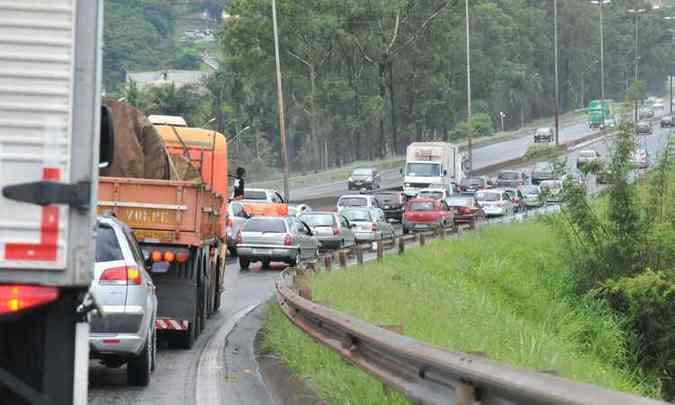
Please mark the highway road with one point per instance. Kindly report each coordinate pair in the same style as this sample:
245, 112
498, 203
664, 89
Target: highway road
482, 156
221, 368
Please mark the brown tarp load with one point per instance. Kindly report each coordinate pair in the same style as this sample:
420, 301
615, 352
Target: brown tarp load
139, 149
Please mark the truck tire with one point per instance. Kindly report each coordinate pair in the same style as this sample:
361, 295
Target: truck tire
266, 264
186, 339
244, 263
140, 367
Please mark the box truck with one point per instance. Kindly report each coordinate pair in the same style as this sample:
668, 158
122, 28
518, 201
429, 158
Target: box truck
431, 164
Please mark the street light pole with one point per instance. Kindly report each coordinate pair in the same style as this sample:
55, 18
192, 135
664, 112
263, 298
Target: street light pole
280, 100
468, 86
601, 4
555, 59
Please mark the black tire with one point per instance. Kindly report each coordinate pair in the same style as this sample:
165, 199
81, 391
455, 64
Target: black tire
244, 263
233, 251
186, 339
154, 348
139, 367
266, 264
219, 281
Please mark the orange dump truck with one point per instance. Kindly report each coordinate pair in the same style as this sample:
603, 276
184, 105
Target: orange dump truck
179, 226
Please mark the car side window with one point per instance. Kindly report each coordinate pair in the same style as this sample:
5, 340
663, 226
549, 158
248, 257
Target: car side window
276, 198
344, 222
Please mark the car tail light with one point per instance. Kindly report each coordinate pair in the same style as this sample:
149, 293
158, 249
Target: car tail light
336, 231
374, 227
238, 239
15, 298
121, 276
288, 240
182, 256
169, 256
156, 256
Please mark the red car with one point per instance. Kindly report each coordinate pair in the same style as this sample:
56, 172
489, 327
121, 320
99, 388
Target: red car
466, 209
423, 214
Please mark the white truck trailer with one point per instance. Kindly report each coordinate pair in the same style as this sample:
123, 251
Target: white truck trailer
50, 120
431, 164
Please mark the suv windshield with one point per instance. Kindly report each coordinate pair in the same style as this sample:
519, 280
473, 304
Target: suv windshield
423, 170
318, 219
353, 202
107, 247
473, 181
271, 225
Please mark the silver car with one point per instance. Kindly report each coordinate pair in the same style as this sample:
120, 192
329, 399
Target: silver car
370, 224
126, 331
531, 195
281, 239
495, 202
331, 229
236, 218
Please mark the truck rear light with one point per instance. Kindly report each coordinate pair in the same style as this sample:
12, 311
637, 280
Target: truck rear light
288, 240
169, 256
15, 298
156, 256
182, 256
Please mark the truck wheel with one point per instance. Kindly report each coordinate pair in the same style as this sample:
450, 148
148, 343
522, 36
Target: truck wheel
244, 263
266, 264
140, 367
219, 282
187, 338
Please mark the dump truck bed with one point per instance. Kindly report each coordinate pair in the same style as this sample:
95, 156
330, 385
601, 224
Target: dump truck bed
163, 211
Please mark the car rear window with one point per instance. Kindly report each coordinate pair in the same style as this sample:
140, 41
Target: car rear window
255, 195
318, 219
388, 198
362, 172
531, 189
265, 225
358, 215
543, 131
353, 202
472, 182
486, 196
107, 246
508, 176
460, 202
431, 194
422, 206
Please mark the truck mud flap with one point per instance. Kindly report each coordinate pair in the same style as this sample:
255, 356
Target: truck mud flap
177, 291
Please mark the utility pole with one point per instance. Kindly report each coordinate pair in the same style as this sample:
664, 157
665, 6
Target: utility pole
555, 58
468, 86
602, 61
280, 101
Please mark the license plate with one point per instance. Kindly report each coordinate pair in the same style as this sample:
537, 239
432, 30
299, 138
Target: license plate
259, 251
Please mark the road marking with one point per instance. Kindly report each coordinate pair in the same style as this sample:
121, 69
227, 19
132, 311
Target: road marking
210, 368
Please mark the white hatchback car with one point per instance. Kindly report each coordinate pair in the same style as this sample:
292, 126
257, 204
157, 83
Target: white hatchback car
495, 202
357, 201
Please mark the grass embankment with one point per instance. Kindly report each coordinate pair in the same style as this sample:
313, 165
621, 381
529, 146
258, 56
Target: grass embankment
502, 291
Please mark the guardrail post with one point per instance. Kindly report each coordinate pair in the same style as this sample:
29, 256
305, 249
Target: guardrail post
441, 233
328, 262
465, 394
380, 250
401, 245
359, 254
422, 238
305, 292
342, 258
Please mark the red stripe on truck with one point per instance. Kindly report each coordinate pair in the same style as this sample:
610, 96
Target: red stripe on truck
47, 249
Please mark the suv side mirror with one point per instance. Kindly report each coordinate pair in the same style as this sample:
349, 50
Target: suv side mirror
106, 151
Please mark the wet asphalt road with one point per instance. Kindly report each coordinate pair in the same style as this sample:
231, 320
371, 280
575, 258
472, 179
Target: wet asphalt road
221, 367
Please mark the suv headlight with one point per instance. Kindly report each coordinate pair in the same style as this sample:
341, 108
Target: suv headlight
350, 179
407, 184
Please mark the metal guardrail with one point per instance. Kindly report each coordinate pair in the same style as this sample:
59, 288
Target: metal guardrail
430, 375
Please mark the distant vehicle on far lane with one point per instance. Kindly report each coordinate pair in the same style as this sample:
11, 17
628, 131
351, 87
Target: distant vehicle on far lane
268, 239
364, 178
645, 112
473, 184
587, 157
495, 202
644, 128
543, 135
667, 122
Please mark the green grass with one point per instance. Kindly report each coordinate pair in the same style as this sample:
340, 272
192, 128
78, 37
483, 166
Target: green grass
501, 291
